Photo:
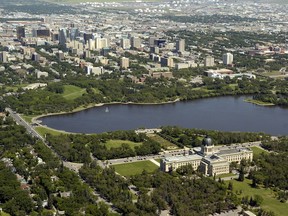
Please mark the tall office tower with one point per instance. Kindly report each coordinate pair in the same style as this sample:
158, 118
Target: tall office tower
227, 58
74, 33
3, 57
62, 37
20, 32
125, 43
180, 45
209, 61
152, 41
167, 62
154, 49
135, 42
87, 36
91, 44
124, 63
101, 43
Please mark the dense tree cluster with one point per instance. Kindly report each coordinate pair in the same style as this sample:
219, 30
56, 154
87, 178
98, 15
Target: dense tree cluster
188, 137
186, 196
77, 148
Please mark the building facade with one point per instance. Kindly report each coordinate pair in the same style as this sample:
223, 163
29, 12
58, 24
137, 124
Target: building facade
208, 160
227, 58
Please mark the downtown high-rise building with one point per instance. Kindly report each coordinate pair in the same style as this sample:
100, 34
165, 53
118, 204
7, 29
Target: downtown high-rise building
135, 42
20, 30
180, 45
209, 61
227, 58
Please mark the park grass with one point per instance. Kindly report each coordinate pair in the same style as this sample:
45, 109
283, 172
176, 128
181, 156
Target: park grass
4, 214
135, 168
225, 175
158, 160
45, 130
15, 87
28, 118
257, 102
270, 202
257, 151
72, 92
165, 144
117, 143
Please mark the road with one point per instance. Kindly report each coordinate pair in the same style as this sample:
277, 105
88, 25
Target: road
19, 120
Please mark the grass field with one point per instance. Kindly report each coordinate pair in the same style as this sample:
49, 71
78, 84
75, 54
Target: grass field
269, 203
117, 143
43, 130
257, 151
135, 168
165, 144
28, 118
72, 92
257, 102
225, 175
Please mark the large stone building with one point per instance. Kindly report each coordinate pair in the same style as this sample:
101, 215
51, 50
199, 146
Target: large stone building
208, 160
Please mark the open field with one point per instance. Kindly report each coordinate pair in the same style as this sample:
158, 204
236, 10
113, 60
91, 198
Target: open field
44, 130
28, 118
225, 175
117, 143
261, 103
257, 151
135, 168
72, 92
270, 202
165, 144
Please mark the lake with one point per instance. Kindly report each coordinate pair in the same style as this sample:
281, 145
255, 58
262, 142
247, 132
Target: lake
219, 113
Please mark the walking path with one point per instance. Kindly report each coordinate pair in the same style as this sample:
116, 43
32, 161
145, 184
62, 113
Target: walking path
155, 162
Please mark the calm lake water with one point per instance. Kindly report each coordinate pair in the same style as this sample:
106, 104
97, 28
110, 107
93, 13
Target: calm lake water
221, 113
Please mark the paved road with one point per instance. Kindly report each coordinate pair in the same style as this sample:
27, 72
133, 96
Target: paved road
19, 120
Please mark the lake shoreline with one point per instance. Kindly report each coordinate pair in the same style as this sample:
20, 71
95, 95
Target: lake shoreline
35, 120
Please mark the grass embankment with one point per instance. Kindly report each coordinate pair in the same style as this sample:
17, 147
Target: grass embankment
165, 144
28, 118
117, 143
269, 196
129, 169
44, 130
257, 102
257, 151
72, 92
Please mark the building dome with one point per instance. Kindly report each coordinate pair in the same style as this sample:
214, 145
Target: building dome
207, 141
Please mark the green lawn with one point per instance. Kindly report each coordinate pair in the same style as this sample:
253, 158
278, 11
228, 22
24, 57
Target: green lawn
257, 151
117, 143
72, 92
28, 118
269, 203
44, 130
129, 169
165, 144
225, 175
257, 102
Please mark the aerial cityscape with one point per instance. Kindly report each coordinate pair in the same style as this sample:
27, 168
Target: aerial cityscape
144, 108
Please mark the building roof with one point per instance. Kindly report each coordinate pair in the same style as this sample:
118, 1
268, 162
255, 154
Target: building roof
183, 158
232, 150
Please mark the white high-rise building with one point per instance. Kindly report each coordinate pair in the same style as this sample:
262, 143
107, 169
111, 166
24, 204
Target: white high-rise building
101, 43
135, 42
180, 45
209, 61
227, 58
124, 63
125, 43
